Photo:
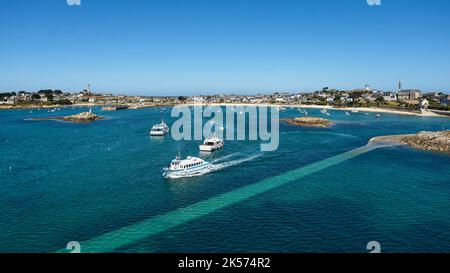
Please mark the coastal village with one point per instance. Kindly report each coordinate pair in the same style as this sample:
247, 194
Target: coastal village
412, 100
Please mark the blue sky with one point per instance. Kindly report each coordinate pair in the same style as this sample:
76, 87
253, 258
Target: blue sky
158, 47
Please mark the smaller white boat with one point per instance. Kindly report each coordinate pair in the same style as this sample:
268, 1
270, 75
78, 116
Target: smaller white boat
347, 113
159, 129
378, 116
211, 144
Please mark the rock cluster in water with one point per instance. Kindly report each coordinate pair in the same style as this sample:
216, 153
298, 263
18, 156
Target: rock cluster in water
429, 141
309, 122
82, 117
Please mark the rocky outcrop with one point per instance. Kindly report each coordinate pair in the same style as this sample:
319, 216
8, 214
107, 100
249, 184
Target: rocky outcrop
79, 118
309, 122
429, 141
82, 117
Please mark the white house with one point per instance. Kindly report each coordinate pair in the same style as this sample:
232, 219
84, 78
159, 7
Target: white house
388, 97
198, 100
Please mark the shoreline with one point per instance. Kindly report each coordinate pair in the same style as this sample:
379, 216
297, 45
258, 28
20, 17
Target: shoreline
328, 107
37, 107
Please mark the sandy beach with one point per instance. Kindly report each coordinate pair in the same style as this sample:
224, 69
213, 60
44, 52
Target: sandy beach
134, 107
349, 109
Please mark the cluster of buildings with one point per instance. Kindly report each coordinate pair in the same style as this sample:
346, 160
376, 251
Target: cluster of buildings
84, 97
326, 96
332, 97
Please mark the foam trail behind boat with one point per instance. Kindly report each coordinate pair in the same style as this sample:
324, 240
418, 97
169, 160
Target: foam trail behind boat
153, 226
228, 164
224, 157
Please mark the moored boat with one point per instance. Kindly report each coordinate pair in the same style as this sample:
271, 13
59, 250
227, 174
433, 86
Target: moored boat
160, 129
325, 112
211, 144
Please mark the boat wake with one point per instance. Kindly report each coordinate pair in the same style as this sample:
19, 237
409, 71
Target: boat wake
214, 166
225, 157
232, 163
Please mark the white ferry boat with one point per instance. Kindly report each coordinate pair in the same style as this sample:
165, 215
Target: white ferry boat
211, 144
191, 166
159, 129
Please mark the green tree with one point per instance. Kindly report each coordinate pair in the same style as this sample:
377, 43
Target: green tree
64, 102
380, 100
49, 97
35, 96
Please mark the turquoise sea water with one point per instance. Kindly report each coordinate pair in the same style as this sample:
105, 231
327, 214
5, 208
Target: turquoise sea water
101, 184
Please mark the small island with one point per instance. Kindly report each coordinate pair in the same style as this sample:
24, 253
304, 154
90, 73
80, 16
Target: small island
428, 141
83, 117
309, 122
78, 118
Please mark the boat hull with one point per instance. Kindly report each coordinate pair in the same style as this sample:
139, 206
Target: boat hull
158, 133
207, 148
195, 171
